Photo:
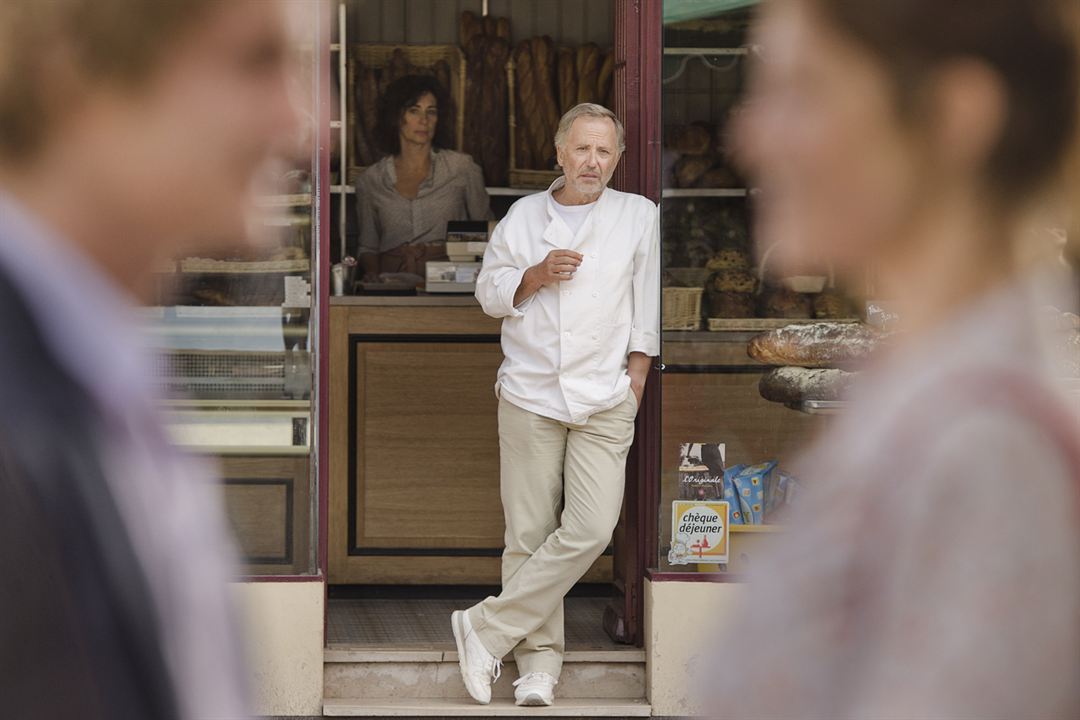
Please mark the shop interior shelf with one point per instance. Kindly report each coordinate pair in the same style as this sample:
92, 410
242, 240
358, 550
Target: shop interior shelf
243, 267
705, 192
757, 528
275, 201
511, 191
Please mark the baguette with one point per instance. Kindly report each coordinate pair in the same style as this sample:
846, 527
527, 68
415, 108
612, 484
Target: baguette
491, 119
525, 116
468, 27
368, 97
474, 88
567, 78
588, 72
604, 79
543, 60
502, 29
815, 345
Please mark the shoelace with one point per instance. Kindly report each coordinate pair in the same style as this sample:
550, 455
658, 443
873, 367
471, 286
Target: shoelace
496, 670
530, 677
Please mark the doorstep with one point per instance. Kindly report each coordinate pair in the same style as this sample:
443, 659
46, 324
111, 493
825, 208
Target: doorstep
578, 708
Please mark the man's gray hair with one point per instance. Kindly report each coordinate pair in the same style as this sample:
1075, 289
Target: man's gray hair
588, 110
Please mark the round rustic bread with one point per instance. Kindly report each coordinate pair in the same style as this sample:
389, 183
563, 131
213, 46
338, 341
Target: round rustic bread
793, 385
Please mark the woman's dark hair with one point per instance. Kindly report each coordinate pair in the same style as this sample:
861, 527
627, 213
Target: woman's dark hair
1029, 43
401, 95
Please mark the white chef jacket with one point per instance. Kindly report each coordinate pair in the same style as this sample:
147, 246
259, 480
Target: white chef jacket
566, 347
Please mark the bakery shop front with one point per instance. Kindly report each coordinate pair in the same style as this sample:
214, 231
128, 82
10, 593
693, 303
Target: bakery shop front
345, 379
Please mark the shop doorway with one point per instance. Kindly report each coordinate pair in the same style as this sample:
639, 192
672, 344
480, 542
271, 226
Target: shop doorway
414, 508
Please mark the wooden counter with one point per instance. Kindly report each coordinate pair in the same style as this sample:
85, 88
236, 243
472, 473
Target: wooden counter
414, 446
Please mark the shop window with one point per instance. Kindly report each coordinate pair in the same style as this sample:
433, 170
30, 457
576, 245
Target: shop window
721, 441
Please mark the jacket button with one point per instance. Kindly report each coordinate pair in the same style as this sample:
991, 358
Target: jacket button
596, 294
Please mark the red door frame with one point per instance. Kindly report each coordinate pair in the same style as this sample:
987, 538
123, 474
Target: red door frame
638, 54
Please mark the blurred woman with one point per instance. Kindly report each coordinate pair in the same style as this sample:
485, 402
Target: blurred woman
406, 199
931, 570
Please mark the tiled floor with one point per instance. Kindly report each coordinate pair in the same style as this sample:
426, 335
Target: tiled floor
426, 622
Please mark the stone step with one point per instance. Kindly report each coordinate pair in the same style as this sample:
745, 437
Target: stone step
378, 674
577, 708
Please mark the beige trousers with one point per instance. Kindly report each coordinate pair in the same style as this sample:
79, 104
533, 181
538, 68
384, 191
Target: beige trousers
562, 490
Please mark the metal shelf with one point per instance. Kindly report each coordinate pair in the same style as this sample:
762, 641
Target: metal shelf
822, 407
705, 192
512, 192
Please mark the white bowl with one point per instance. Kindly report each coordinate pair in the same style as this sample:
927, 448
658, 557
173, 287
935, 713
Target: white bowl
806, 283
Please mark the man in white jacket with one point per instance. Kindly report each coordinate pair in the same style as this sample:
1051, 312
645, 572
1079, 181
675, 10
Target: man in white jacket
574, 273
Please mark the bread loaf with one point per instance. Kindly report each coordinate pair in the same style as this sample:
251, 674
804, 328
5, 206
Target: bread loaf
794, 385
474, 89
690, 168
729, 258
690, 140
832, 305
588, 67
469, 26
368, 97
783, 303
527, 115
719, 177
605, 79
491, 118
815, 345
543, 81
733, 280
567, 78
730, 304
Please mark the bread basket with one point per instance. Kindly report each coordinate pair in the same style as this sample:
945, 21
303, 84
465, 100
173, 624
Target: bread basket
682, 308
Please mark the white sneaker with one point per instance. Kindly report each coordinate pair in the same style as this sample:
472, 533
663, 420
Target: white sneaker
479, 668
535, 688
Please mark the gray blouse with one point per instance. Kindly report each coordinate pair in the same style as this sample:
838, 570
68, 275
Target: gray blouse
453, 191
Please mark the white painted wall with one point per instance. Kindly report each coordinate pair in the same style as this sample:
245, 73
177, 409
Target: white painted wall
284, 625
679, 618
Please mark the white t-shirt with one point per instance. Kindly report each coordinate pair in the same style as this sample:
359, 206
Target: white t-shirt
573, 215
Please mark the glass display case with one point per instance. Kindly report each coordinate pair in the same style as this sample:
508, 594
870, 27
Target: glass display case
720, 441
237, 342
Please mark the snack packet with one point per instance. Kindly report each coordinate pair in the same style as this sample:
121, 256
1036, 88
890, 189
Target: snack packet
749, 485
730, 494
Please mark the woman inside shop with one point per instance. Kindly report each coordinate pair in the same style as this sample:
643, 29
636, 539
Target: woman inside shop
406, 199
931, 569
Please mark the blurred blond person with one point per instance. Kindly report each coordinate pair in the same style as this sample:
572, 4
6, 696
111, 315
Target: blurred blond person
130, 132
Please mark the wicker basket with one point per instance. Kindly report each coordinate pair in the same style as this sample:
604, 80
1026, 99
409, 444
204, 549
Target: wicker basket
419, 56
521, 177
682, 308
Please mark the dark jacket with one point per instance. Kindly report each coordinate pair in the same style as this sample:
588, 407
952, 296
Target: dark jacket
79, 635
